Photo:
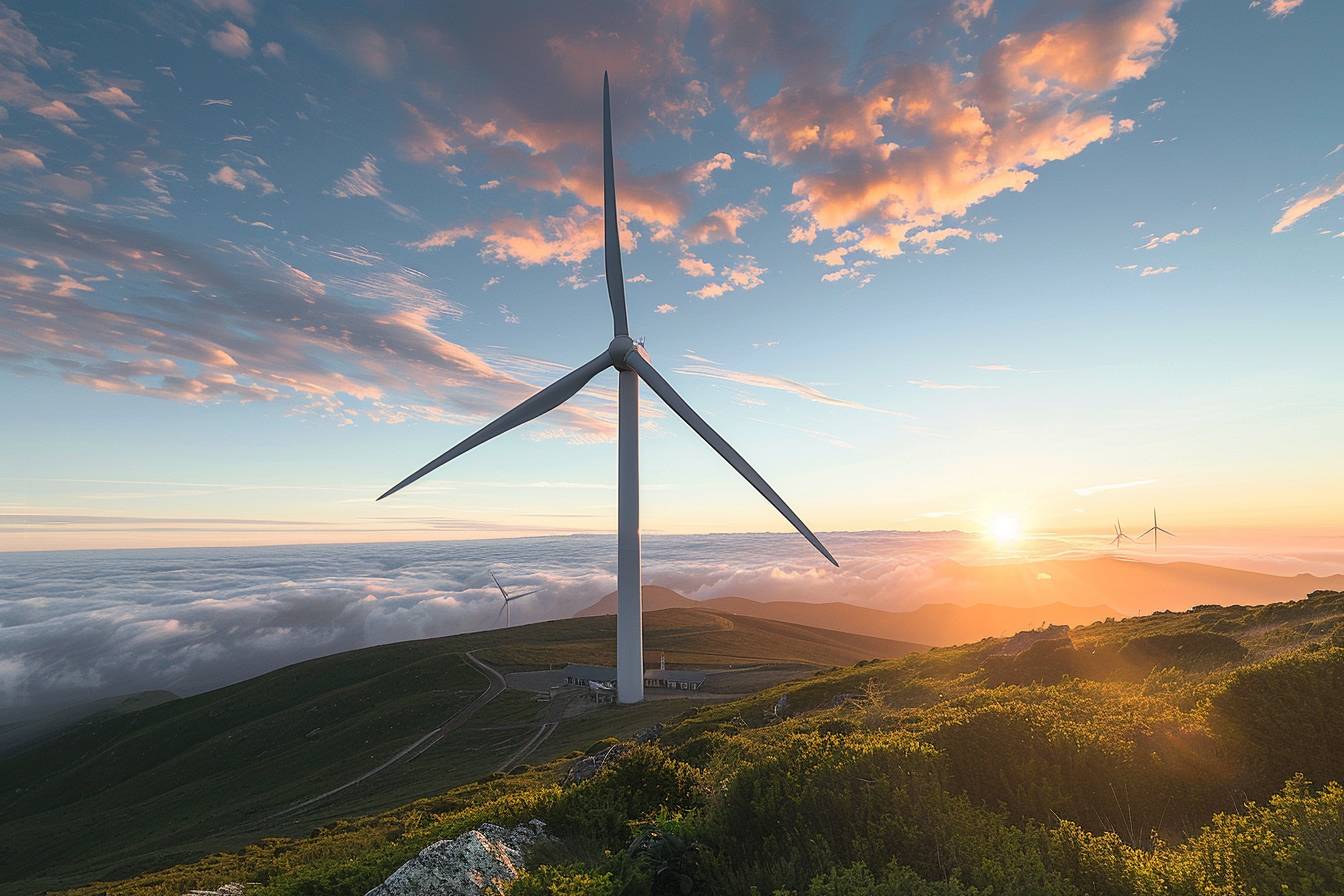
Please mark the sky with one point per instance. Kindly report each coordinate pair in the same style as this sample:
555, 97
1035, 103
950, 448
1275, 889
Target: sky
955, 264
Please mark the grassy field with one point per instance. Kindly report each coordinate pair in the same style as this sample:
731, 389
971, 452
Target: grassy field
1178, 754
115, 795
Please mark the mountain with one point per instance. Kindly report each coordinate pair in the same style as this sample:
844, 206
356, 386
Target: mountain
121, 792
1166, 755
934, 624
1131, 586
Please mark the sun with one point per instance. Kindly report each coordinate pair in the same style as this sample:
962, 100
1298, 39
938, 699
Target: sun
1005, 528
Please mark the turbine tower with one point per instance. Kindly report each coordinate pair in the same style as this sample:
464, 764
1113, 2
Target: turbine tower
632, 365
508, 599
1119, 534
1154, 530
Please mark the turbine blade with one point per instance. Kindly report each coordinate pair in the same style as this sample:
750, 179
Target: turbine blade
612, 241
523, 594
1164, 531
683, 410
554, 395
502, 592
1149, 532
500, 613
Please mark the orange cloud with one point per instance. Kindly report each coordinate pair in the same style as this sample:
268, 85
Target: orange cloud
1308, 203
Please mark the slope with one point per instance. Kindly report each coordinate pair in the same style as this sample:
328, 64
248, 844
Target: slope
192, 775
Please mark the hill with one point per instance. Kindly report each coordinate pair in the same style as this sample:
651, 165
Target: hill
1170, 755
939, 625
118, 793
16, 733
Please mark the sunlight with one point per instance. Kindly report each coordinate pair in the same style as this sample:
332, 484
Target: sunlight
1005, 528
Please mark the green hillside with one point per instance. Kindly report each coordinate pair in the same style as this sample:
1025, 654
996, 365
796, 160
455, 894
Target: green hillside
1180, 753
117, 794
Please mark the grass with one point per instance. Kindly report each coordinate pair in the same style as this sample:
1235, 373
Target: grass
113, 796
921, 774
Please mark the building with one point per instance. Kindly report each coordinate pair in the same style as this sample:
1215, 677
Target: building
602, 691
676, 679
582, 675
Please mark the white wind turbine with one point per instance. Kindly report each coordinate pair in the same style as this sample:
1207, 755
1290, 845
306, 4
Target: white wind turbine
632, 365
508, 599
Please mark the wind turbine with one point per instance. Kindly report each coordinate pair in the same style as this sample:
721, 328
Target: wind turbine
1119, 534
632, 365
508, 599
1154, 530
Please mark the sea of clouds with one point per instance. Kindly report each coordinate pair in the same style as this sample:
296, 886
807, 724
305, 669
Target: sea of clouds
77, 625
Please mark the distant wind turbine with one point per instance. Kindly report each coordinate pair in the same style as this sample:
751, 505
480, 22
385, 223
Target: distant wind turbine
508, 599
1119, 535
632, 365
1154, 530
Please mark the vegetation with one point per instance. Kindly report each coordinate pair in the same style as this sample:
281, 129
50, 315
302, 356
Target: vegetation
1176, 767
118, 793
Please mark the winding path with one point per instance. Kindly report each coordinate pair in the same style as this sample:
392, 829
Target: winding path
457, 720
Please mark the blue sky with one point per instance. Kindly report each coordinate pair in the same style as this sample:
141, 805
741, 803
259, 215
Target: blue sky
924, 268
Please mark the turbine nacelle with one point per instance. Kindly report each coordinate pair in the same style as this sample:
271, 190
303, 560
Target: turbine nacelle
619, 351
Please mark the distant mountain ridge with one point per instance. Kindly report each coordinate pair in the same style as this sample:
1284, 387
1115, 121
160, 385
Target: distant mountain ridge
959, 603
938, 625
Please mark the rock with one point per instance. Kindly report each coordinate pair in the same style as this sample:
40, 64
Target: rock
1022, 640
650, 734
480, 862
223, 890
585, 768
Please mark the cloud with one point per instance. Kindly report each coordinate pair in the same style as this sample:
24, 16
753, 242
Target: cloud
1152, 242
241, 179
639, 278
701, 173
77, 625
566, 239
1154, 272
491, 184
217, 102
966, 12
20, 159
365, 181
714, 371
665, 309
744, 274
1089, 490
723, 224
695, 267
911, 143
273, 50
510, 317
56, 110
997, 368
169, 320
230, 40
446, 237
1277, 9
1308, 203
1156, 105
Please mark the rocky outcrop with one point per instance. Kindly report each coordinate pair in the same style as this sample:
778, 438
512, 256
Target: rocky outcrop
1023, 640
480, 862
585, 768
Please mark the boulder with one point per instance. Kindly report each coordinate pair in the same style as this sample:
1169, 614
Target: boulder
480, 862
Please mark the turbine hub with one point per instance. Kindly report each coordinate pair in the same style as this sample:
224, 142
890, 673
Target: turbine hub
620, 349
